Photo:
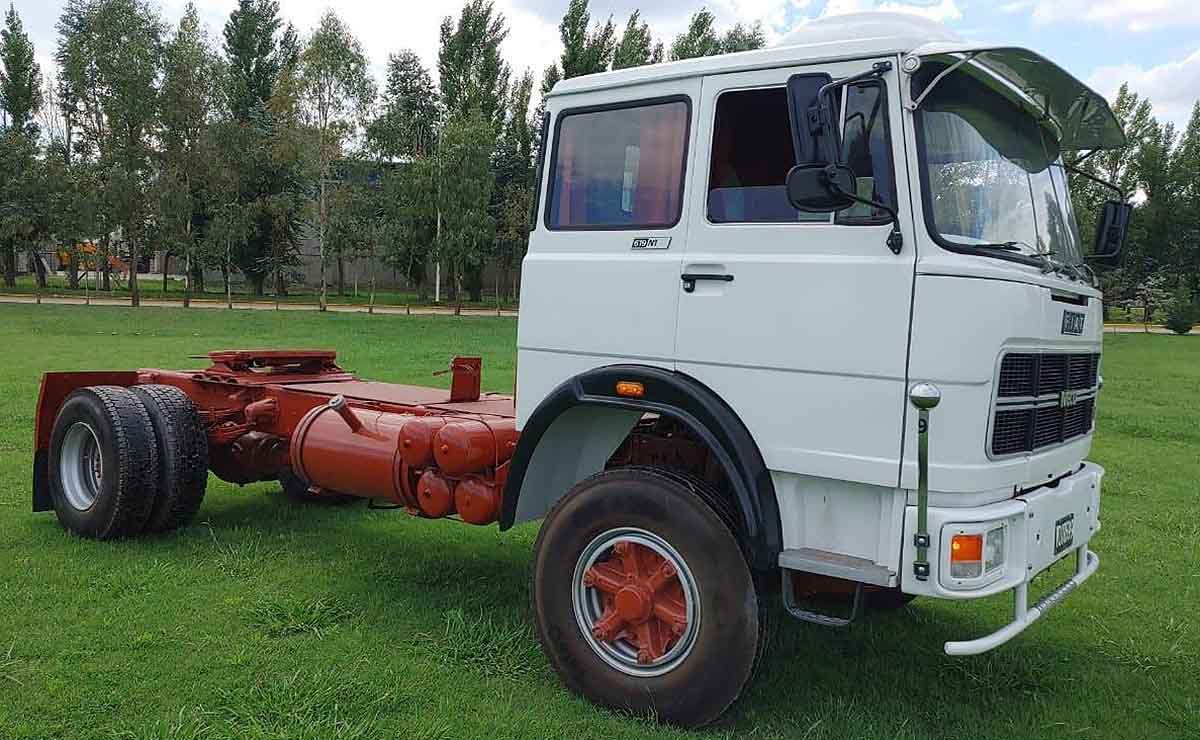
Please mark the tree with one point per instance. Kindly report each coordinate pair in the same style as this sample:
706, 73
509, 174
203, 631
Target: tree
337, 91
111, 58
23, 201
189, 104
253, 54
20, 75
472, 73
701, 39
408, 118
513, 198
465, 192
585, 51
80, 98
743, 38
259, 51
636, 46
410, 217
286, 153
23, 211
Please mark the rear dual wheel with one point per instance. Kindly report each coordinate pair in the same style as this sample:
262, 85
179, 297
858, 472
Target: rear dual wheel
124, 462
643, 598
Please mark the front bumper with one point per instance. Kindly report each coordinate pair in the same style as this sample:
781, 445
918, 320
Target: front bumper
1034, 540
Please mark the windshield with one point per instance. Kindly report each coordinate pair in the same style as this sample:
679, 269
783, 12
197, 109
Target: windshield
993, 176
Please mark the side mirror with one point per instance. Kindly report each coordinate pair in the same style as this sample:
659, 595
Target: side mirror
1111, 228
821, 188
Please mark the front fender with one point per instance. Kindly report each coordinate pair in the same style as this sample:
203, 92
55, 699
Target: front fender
587, 446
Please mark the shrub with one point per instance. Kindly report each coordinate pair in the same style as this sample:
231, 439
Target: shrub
1181, 313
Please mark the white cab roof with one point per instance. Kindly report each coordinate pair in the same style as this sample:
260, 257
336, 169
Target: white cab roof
853, 36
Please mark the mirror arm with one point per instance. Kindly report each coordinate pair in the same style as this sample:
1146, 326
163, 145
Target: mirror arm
1099, 181
895, 240
833, 143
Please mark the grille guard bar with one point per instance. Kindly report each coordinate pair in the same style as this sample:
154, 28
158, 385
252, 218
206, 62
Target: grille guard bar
1086, 563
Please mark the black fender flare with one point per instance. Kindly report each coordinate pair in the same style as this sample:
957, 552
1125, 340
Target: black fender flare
688, 401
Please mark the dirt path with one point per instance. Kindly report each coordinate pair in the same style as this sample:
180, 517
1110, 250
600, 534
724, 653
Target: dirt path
255, 306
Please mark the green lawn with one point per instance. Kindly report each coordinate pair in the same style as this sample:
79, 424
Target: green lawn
271, 620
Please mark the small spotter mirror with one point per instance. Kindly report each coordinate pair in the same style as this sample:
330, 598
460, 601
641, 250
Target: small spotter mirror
821, 188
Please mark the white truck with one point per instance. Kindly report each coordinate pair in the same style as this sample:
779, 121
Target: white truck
893, 362
796, 322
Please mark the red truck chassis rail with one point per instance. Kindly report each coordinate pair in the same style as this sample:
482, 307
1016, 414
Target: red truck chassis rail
271, 413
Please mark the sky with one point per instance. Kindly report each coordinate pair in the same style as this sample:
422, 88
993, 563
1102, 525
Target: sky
1152, 44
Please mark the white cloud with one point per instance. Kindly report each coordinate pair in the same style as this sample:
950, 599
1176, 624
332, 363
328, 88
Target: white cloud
1140, 16
1173, 88
942, 11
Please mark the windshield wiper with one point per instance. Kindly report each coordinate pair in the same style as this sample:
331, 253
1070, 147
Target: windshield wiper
1004, 246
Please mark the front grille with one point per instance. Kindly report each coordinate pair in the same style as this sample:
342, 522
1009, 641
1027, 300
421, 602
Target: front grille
1043, 400
1027, 374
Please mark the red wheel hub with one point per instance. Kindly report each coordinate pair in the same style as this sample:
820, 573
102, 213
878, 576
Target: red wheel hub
643, 600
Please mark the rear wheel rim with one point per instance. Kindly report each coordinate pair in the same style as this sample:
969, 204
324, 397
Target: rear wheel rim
81, 466
636, 601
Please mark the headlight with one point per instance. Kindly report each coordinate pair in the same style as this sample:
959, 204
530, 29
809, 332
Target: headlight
993, 550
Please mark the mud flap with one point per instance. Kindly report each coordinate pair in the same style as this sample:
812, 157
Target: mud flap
41, 481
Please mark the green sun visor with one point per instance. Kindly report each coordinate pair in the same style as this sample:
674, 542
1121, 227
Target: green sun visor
1081, 117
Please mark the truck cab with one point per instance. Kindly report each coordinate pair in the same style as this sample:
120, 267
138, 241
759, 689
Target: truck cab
939, 291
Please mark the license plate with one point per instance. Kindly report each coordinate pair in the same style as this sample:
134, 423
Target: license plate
1064, 534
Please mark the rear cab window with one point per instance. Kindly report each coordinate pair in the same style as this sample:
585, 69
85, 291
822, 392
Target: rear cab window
619, 166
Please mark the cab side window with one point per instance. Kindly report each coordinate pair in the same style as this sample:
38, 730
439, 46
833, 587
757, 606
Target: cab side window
752, 152
867, 149
618, 167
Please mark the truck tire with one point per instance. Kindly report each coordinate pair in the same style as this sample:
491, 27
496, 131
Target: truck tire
297, 490
103, 464
643, 598
182, 456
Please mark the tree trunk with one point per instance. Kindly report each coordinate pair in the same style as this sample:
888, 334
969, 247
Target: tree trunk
226, 269
72, 269
166, 264
341, 276
39, 274
103, 266
135, 256
324, 300
10, 266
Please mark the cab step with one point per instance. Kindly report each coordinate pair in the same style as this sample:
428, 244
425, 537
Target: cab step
835, 565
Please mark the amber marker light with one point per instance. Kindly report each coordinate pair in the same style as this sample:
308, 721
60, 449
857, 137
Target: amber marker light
630, 389
966, 555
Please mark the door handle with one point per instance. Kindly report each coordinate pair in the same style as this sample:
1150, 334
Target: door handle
691, 278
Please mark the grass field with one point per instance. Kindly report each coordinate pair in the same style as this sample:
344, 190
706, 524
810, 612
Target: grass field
270, 620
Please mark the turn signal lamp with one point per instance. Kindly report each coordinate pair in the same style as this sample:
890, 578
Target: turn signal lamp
630, 389
966, 556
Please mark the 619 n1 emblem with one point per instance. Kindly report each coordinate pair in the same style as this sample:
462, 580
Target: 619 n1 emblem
652, 242
1073, 323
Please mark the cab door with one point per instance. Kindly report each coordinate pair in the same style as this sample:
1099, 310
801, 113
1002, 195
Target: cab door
799, 321
600, 282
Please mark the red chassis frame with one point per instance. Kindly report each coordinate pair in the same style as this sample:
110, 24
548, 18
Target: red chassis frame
272, 413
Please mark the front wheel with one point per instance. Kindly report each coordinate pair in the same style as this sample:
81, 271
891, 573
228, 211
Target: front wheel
643, 599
